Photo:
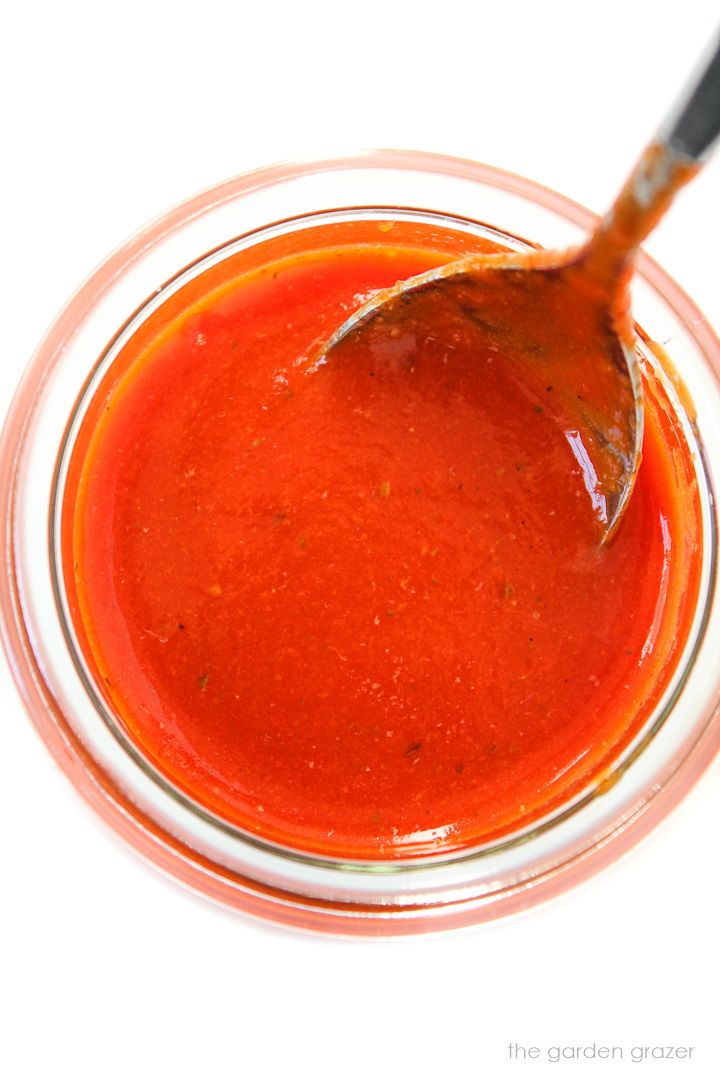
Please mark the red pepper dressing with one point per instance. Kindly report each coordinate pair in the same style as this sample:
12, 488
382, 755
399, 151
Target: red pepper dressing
358, 611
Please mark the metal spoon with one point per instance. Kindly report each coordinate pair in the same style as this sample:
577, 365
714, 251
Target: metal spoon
563, 316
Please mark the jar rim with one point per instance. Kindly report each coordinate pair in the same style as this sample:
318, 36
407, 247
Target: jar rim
47, 711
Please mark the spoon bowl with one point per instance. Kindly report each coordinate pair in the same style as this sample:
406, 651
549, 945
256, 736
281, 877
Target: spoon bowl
523, 305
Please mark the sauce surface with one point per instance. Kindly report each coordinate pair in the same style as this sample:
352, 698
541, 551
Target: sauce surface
359, 608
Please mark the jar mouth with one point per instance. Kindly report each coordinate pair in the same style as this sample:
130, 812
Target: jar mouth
115, 774
512, 837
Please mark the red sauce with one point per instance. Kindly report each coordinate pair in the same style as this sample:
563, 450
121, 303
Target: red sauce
361, 610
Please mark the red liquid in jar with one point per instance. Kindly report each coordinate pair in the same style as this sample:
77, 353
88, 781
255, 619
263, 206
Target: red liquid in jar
360, 609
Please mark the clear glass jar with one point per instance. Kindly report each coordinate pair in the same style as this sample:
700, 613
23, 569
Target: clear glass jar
362, 897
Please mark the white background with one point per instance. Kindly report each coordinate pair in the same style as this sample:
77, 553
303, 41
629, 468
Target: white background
111, 114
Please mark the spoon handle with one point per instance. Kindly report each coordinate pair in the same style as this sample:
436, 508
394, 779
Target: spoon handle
698, 124
666, 166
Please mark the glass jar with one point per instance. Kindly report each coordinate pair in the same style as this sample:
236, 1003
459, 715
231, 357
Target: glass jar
343, 896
